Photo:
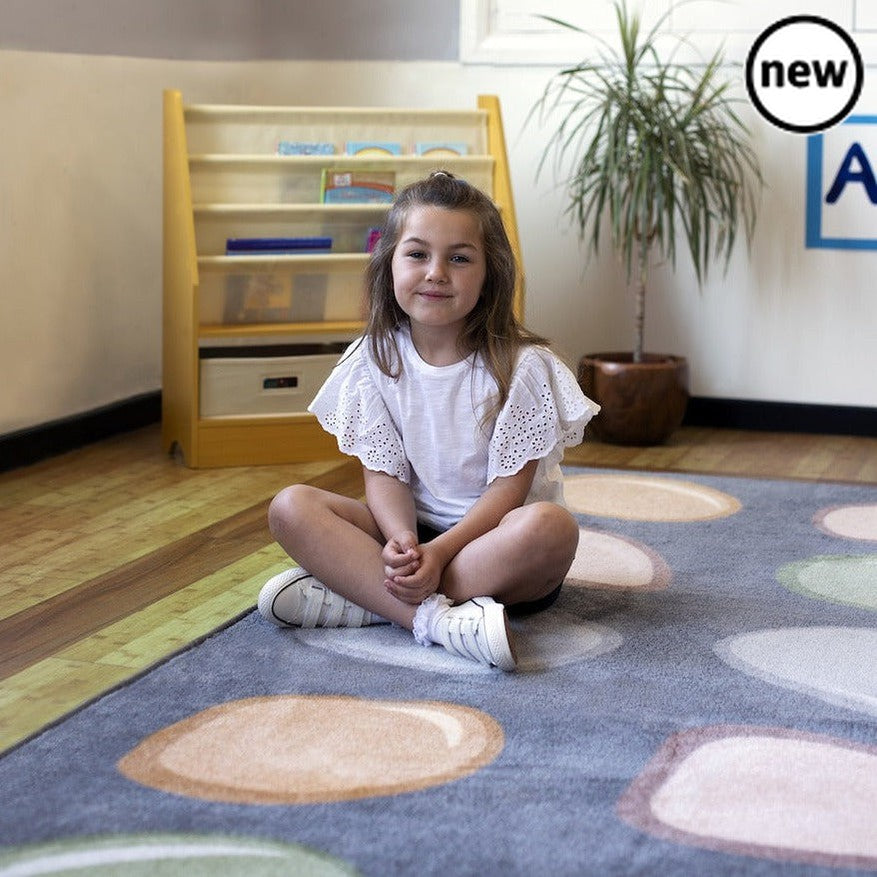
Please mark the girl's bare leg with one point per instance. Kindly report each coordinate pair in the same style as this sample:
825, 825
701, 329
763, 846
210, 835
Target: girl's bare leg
524, 558
337, 540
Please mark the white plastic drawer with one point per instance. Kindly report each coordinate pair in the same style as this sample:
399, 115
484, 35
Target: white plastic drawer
262, 384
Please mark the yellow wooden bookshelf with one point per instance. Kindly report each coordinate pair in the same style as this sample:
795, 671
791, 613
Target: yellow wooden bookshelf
224, 178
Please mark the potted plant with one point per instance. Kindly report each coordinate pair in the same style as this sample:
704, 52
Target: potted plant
648, 147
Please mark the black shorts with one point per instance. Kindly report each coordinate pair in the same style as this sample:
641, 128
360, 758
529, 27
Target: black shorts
425, 533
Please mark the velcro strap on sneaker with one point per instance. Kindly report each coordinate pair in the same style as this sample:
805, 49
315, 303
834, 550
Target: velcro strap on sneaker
313, 603
459, 637
354, 616
335, 607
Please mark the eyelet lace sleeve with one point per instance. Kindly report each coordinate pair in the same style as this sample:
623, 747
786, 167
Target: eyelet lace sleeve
546, 411
350, 407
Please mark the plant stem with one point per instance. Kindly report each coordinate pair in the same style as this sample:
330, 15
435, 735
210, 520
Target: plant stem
639, 321
639, 318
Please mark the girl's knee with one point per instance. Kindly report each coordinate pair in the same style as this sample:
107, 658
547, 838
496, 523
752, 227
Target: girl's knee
550, 528
289, 507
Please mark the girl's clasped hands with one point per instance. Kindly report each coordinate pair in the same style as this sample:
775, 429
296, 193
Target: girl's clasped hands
413, 571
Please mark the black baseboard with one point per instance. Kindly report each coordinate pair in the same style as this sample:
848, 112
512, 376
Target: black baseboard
781, 417
38, 442
46, 440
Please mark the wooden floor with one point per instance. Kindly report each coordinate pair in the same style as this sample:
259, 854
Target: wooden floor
114, 556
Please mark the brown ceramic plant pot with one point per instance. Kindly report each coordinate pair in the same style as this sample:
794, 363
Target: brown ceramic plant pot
642, 402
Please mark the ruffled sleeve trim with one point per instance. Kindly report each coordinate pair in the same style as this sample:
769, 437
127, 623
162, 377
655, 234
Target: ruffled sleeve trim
350, 407
546, 411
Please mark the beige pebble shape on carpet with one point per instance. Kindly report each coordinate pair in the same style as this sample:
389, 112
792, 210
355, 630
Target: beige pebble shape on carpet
305, 749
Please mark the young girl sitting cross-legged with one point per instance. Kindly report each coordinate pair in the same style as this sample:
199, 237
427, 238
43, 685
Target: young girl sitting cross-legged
459, 416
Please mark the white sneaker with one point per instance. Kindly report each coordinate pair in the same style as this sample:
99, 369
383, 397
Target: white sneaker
296, 599
477, 629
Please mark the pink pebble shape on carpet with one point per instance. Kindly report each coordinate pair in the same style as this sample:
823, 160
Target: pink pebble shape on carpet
637, 497
848, 579
834, 664
765, 792
849, 521
604, 560
310, 749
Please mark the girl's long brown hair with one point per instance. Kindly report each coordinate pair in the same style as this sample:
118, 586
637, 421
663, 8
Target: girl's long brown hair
491, 328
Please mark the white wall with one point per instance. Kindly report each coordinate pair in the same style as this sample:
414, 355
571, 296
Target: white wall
80, 243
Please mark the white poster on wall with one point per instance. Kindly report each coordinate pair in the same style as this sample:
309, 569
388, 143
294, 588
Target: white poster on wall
842, 186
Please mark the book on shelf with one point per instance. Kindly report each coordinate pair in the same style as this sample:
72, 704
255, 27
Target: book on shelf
372, 148
308, 303
269, 296
276, 246
297, 147
371, 239
440, 149
256, 297
357, 187
275, 297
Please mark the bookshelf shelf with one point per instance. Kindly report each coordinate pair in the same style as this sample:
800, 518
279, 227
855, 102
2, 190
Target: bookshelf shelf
223, 179
263, 330
289, 210
317, 261
419, 163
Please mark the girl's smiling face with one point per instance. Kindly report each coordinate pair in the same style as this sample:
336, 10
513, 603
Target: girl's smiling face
439, 269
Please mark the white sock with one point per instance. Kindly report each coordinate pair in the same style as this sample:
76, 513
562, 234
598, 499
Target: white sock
425, 616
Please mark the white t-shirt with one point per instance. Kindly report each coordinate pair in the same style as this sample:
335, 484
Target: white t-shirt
425, 427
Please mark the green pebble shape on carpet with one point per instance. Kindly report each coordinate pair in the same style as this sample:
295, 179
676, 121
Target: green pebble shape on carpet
169, 855
847, 579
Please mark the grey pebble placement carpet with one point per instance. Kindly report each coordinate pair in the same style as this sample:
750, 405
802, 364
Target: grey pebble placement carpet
701, 700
